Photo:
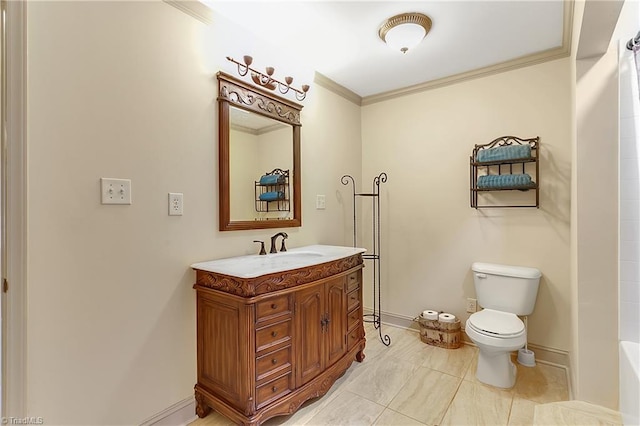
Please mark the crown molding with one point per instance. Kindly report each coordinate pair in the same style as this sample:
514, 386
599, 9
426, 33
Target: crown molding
537, 58
522, 62
193, 8
256, 132
327, 83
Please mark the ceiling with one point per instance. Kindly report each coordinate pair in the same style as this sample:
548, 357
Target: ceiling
339, 39
255, 124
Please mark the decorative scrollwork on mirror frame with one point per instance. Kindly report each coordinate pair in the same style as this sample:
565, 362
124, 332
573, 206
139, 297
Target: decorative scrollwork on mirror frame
235, 92
239, 94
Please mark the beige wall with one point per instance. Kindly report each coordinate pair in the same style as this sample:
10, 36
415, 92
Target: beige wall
430, 234
127, 89
594, 356
573, 352
597, 230
243, 171
250, 156
275, 151
111, 325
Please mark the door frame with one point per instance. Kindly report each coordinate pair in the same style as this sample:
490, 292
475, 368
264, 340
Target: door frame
14, 208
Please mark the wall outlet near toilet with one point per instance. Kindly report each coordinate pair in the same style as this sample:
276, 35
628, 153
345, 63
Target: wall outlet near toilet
472, 305
175, 204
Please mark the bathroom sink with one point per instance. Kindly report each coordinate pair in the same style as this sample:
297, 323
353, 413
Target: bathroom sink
254, 265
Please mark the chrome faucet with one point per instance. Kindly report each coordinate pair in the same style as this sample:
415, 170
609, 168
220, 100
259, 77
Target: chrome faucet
273, 242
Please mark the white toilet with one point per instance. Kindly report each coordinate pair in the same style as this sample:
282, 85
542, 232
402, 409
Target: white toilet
504, 292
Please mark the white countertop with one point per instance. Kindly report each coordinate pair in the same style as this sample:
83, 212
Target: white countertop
252, 266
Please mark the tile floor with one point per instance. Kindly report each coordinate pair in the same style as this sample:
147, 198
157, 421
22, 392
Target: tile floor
412, 383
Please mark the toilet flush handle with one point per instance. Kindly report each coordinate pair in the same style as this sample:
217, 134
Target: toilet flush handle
481, 275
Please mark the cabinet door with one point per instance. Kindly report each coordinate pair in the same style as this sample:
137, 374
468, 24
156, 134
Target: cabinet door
336, 328
310, 310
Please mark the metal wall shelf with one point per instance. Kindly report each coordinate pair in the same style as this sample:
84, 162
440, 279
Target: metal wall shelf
506, 167
275, 205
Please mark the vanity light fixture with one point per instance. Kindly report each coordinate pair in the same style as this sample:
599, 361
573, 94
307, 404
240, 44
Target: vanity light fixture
267, 80
405, 31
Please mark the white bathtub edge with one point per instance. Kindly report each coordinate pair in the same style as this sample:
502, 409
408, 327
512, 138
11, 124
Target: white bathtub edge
630, 382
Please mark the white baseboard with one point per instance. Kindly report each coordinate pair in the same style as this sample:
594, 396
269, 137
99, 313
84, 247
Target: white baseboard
179, 414
396, 320
546, 355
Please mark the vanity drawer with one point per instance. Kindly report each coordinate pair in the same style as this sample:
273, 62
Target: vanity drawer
273, 334
353, 300
272, 307
353, 319
272, 390
353, 281
272, 362
353, 337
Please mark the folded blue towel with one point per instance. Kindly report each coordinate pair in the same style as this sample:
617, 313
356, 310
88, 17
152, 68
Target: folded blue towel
501, 153
272, 196
516, 181
271, 179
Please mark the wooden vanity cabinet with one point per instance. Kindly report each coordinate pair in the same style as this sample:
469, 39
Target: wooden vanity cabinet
267, 344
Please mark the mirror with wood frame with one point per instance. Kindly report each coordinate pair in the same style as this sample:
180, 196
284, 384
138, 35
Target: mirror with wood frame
259, 157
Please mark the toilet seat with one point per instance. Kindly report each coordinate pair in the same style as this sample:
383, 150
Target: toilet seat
496, 324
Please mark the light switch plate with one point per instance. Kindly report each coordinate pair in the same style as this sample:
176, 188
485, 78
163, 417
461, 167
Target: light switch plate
115, 191
320, 202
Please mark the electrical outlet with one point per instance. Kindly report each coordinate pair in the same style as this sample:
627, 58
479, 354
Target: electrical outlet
175, 204
115, 191
472, 305
320, 202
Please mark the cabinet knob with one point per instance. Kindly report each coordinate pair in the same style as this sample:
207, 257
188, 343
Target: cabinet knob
274, 333
275, 388
273, 306
274, 361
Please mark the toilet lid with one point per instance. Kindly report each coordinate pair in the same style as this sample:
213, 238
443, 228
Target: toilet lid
496, 323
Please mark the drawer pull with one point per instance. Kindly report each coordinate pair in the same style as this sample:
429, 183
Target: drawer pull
273, 306
274, 389
274, 361
274, 333
352, 277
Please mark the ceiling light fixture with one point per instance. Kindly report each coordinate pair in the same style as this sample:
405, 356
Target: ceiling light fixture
405, 31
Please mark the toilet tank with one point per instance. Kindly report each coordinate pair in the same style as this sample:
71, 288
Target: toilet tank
506, 288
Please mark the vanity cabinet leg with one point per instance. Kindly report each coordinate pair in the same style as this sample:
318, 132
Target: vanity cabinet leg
202, 409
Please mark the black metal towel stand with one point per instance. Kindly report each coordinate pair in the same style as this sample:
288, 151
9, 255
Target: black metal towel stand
375, 254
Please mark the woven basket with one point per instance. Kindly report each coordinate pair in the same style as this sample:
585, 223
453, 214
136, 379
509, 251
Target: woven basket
442, 334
